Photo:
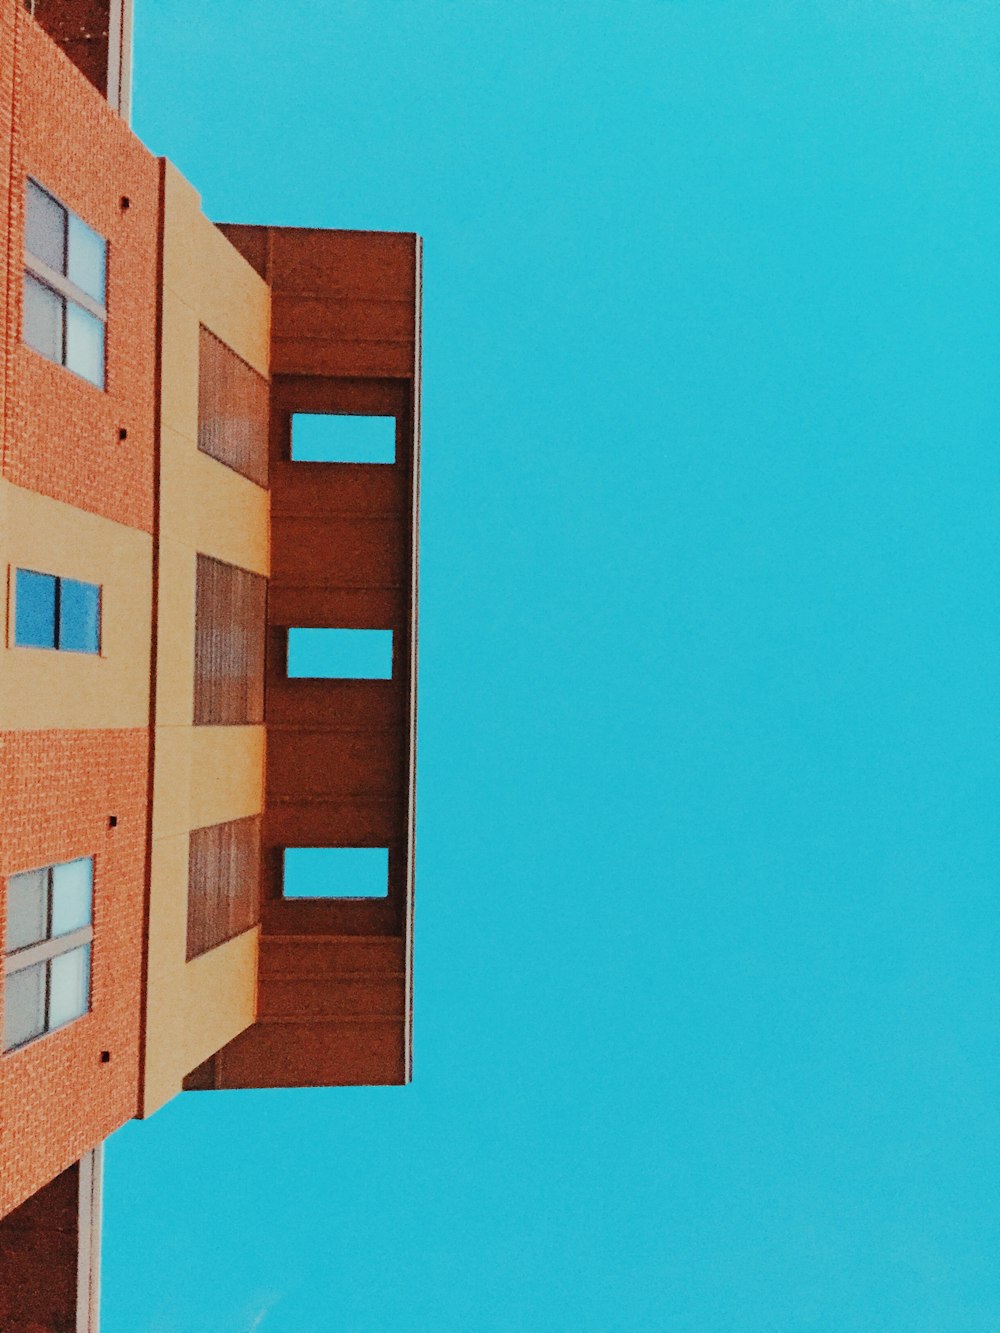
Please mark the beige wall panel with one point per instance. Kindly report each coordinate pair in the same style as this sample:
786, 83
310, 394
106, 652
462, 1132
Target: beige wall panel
206, 775
203, 775
210, 276
172, 782
227, 774
220, 997
41, 688
194, 1008
179, 383
175, 638
212, 509
167, 943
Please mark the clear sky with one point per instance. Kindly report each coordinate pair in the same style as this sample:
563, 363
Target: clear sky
707, 996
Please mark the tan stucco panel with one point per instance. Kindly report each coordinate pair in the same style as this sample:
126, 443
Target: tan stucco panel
205, 271
41, 688
210, 508
175, 632
193, 1008
202, 775
206, 775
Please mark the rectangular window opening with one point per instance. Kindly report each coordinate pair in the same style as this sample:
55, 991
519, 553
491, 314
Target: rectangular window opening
54, 612
342, 438
340, 654
335, 872
65, 286
47, 946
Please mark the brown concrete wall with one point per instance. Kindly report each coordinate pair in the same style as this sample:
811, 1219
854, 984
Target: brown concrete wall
334, 990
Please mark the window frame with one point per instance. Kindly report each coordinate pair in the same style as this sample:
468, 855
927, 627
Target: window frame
56, 646
44, 951
68, 291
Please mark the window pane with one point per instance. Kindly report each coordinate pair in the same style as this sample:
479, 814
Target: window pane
23, 1005
35, 610
340, 654
45, 228
69, 986
87, 258
27, 908
43, 319
79, 616
84, 344
319, 438
336, 872
71, 895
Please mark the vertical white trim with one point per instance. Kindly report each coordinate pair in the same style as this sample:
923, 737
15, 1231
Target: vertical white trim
120, 57
88, 1266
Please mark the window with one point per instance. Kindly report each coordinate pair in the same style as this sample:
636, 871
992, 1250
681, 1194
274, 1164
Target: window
65, 285
340, 654
233, 409
230, 611
47, 949
53, 612
336, 872
340, 438
223, 883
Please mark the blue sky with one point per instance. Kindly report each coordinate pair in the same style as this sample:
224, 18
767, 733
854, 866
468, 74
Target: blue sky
707, 1004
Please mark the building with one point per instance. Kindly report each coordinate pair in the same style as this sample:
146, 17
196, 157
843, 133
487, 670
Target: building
208, 538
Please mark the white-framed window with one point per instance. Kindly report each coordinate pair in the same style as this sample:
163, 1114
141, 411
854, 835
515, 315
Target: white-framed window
65, 285
46, 962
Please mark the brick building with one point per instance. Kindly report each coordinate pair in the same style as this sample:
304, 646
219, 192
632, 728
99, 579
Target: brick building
208, 534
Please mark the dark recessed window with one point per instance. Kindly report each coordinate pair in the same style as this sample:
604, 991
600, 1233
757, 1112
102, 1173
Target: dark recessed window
340, 654
229, 627
233, 409
223, 883
52, 612
47, 949
338, 438
335, 872
65, 286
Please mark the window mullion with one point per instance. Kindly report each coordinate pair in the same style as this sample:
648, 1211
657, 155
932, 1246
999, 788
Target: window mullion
63, 287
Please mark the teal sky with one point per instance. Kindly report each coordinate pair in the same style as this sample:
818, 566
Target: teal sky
707, 1003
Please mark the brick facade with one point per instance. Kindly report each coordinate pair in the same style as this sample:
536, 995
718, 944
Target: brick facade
57, 1097
61, 434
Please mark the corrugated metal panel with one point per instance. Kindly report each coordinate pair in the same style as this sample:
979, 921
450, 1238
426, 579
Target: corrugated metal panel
223, 883
232, 409
231, 609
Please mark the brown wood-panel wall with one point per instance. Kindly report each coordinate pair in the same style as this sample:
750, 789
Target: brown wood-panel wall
223, 883
230, 614
334, 998
232, 409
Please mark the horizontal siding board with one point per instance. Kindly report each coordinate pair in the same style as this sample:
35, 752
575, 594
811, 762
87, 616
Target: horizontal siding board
357, 550
319, 490
329, 317
350, 608
314, 356
310, 765
371, 706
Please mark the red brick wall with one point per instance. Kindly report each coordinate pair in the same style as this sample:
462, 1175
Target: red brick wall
61, 434
57, 1098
